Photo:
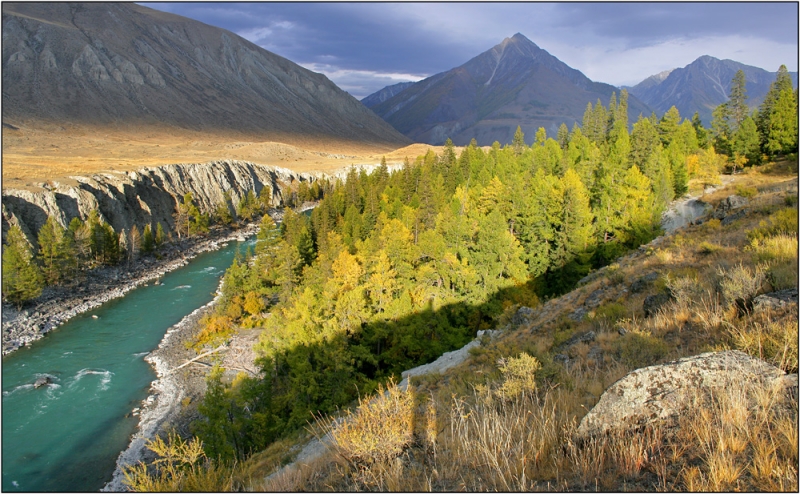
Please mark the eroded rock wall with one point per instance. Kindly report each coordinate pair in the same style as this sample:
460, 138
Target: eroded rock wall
147, 196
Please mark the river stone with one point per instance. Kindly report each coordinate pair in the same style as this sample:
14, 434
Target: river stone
661, 393
42, 381
775, 300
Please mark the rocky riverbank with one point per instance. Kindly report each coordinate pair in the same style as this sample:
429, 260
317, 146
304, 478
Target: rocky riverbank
166, 408
57, 305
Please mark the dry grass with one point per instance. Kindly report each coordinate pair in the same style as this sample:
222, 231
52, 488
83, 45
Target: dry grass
41, 153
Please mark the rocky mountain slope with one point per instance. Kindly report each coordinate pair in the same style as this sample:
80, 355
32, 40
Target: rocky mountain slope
144, 197
379, 97
701, 86
514, 83
124, 66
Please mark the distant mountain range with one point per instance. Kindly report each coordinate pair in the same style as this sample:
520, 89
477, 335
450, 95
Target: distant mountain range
701, 86
128, 66
514, 83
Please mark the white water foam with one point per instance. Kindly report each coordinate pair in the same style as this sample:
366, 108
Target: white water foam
104, 381
20, 387
182, 287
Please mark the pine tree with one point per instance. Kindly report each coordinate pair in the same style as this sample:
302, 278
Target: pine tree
22, 280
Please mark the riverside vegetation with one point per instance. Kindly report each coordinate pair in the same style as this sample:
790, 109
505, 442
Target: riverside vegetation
391, 270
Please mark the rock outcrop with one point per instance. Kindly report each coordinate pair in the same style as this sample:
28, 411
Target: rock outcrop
661, 393
147, 196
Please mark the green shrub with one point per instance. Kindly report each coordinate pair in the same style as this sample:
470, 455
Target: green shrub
782, 222
637, 349
706, 248
612, 311
744, 191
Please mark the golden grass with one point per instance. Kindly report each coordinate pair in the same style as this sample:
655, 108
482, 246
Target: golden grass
40, 153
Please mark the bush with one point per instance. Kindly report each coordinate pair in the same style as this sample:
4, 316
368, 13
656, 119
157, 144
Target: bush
782, 248
740, 284
519, 375
783, 222
380, 429
773, 341
685, 287
745, 191
612, 311
637, 349
706, 248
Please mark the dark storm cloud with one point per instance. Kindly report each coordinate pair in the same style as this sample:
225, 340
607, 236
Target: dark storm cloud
363, 35
363, 47
644, 23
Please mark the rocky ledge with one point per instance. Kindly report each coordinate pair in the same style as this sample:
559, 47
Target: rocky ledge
59, 304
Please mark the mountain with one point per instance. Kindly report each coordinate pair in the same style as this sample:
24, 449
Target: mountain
701, 86
514, 83
379, 97
121, 65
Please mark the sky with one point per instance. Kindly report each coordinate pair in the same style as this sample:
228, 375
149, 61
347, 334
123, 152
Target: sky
363, 47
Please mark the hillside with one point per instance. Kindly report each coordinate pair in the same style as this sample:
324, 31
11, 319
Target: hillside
701, 86
487, 423
514, 83
119, 74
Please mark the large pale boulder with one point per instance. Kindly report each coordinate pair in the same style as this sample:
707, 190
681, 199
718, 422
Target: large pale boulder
661, 393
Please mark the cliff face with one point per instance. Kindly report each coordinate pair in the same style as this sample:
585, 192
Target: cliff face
144, 197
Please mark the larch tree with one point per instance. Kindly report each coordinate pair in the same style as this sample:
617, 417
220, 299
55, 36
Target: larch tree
22, 279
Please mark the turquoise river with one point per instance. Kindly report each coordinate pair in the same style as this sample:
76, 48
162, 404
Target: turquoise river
67, 436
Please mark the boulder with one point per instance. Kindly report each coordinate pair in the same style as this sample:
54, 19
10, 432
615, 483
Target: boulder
729, 204
594, 299
523, 316
654, 302
578, 314
643, 282
661, 393
775, 300
727, 220
586, 337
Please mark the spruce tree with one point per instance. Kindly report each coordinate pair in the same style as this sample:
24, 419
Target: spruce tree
148, 243
22, 279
